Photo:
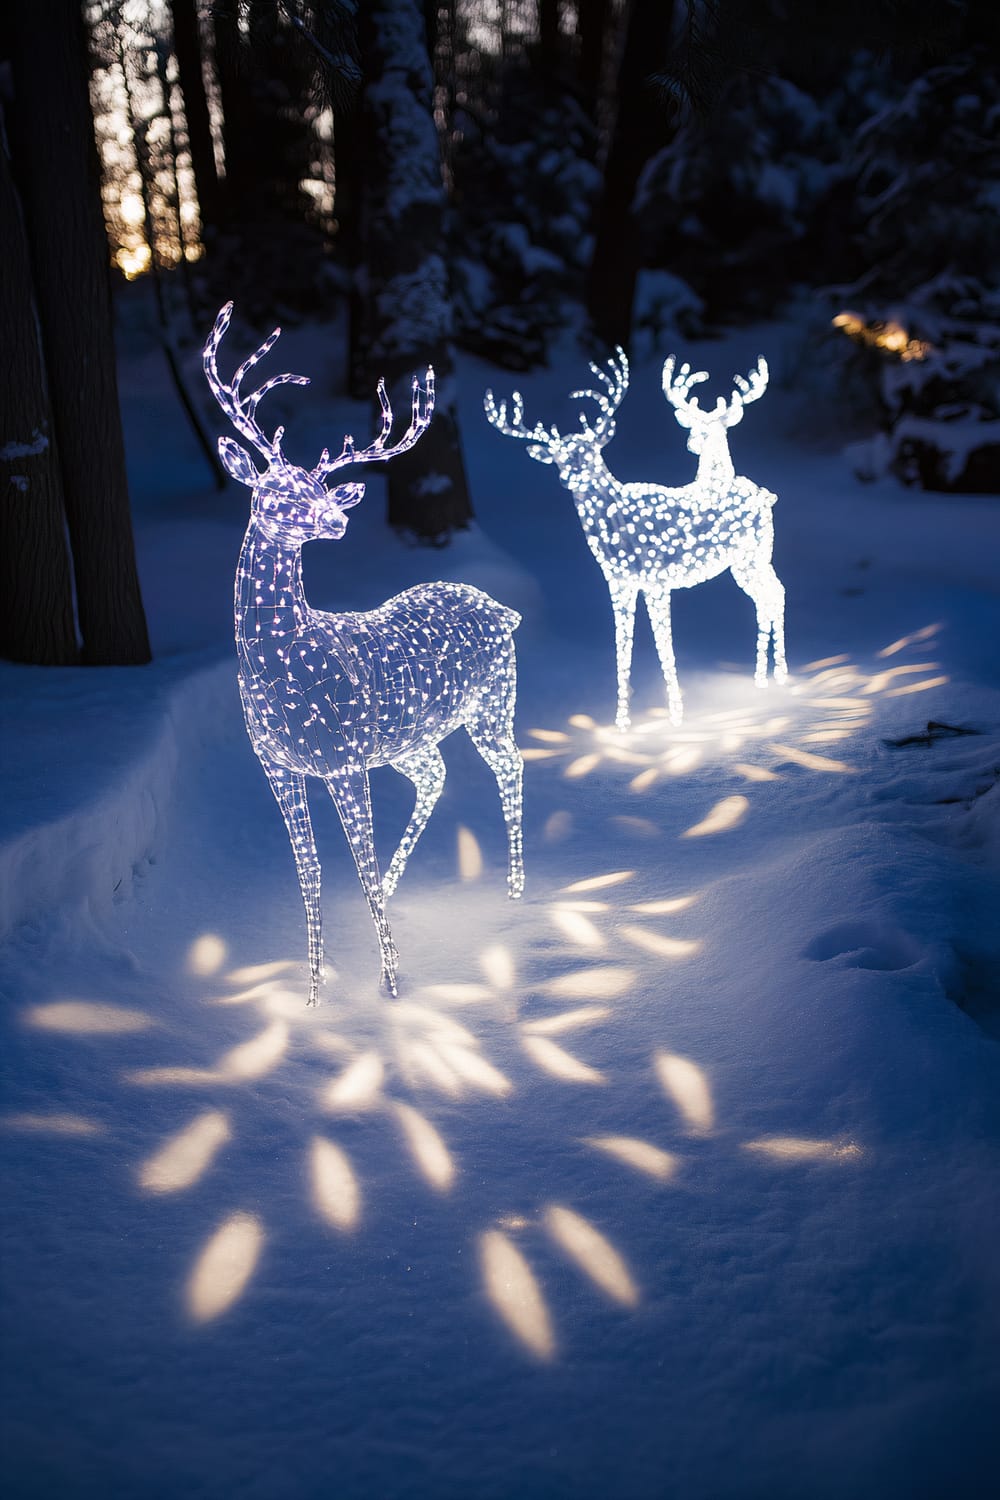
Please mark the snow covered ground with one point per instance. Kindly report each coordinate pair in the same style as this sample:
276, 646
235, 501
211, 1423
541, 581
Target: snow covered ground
677, 1178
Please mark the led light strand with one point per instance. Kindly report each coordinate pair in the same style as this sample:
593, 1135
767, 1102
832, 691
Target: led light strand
648, 539
333, 695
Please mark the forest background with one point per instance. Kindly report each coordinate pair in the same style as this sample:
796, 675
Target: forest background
479, 174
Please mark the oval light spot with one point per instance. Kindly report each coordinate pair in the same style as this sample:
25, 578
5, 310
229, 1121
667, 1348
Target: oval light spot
554, 1060
591, 984
187, 1155
596, 1257
567, 1020
427, 1148
470, 856
511, 1286
224, 1267
791, 1148
474, 1069
597, 882
206, 954
357, 1087
688, 1087
498, 966
724, 815
82, 1017
641, 1155
255, 1058
810, 760
660, 944
577, 928
335, 1192
58, 1124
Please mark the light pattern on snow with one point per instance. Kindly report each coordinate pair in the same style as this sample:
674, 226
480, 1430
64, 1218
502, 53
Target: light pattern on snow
496, 1024
648, 539
831, 701
458, 1044
333, 695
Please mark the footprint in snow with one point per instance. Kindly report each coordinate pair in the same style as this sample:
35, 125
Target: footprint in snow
865, 945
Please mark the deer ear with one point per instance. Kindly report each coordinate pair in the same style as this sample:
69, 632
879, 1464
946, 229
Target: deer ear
543, 455
345, 496
238, 462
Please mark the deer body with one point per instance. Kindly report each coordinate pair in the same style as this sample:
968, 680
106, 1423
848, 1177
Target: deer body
648, 539
331, 696
347, 680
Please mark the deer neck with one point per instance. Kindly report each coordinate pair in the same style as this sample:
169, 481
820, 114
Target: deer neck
270, 600
591, 483
715, 467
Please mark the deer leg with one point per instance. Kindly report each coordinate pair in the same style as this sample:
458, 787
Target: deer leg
494, 737
658, 604
623, 597
761, 583
289, 790
425, 768
351, 795
777, 594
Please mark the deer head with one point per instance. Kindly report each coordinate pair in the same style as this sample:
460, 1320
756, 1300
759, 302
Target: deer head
287, 500
575, 452
704, 425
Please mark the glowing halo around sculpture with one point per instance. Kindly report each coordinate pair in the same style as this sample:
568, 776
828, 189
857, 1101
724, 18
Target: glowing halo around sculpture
333, 695
648, 539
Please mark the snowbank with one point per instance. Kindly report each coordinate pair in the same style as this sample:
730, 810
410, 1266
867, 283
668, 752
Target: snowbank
90, 767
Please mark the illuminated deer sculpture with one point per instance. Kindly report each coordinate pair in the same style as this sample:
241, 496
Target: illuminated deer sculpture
333, 695
648, 539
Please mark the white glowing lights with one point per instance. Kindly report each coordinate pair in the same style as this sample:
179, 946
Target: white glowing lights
648, 539
330, 695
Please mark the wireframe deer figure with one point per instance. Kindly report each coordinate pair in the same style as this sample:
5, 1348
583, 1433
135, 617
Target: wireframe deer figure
332, 695
649, 539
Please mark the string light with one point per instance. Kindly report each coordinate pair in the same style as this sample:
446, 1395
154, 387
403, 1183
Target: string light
648, 539
333, 695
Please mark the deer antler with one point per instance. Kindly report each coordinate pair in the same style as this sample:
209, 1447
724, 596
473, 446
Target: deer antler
678, 392
242, 410
747, 390
515, 428
421, 412
615, 382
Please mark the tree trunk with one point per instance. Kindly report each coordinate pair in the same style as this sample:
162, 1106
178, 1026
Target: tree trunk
265, 129
592, 27
55, 156
638, 131
409, 311
240, 197
548, 41
36, 594
187, 46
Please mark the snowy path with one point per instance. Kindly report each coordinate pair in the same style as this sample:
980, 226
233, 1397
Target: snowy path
677, 1178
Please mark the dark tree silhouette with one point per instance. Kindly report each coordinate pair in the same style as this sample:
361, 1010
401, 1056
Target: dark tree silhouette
593, 28
188, 50
408, 313
36, 593
56, 169
640, 125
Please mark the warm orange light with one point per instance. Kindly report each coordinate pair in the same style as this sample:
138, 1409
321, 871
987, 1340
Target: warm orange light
891, 336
